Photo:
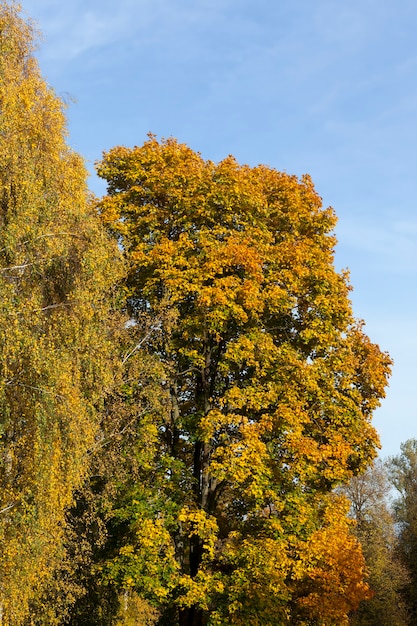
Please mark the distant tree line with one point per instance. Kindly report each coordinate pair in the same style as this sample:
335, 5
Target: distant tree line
186, 398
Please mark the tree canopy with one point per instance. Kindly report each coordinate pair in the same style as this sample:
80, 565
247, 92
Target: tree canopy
269, 386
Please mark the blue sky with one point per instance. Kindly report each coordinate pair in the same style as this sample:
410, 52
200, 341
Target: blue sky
324, 87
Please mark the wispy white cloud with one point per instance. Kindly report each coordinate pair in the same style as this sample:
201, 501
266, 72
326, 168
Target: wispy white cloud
74, 28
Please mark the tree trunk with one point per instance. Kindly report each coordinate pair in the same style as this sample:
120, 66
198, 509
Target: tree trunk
192, 617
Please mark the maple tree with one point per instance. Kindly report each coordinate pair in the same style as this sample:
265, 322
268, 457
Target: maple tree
57, 270
267, 387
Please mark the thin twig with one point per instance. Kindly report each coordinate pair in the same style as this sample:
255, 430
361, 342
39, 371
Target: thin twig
51, 393
43, 236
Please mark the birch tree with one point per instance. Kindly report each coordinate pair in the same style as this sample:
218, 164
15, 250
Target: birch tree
57, 268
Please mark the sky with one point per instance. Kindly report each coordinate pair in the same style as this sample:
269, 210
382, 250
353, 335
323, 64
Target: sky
323, 87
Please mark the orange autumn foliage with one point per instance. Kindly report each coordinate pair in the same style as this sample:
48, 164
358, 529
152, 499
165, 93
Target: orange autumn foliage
269, 385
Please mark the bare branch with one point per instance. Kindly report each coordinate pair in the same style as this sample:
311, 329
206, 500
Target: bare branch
54, 306
16, 267
7, 508
140, 344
